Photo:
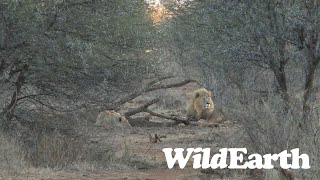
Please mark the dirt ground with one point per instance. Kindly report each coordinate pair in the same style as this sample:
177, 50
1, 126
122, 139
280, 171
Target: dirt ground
151, 163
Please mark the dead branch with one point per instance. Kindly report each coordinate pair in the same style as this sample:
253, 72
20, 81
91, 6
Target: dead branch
178, 120
159, 80
150, 87
144, 108
141, 108
139, 119
167, 86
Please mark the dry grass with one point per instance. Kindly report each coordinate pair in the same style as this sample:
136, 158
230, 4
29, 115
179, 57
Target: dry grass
56, 150
11, 157
80, 153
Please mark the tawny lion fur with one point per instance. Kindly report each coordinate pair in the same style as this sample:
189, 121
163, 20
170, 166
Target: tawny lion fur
111, 119
201, 107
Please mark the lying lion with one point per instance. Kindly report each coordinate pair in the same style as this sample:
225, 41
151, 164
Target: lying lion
111, 119
201, 108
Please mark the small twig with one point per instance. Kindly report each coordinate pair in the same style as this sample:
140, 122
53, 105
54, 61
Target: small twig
157, 138
148, 148
154, 139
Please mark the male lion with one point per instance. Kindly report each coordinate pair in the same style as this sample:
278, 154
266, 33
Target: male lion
201, 107
111, 119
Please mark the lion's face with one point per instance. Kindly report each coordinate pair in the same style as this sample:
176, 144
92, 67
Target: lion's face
123, 120
111, 119
204, 100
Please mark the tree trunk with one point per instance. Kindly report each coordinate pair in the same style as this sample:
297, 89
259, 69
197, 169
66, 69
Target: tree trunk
280, 74
308, 87
281, 79
9, 109
312, 58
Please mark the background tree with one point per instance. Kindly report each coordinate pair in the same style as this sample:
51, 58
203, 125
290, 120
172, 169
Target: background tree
262, 58
257, 38
55, 53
